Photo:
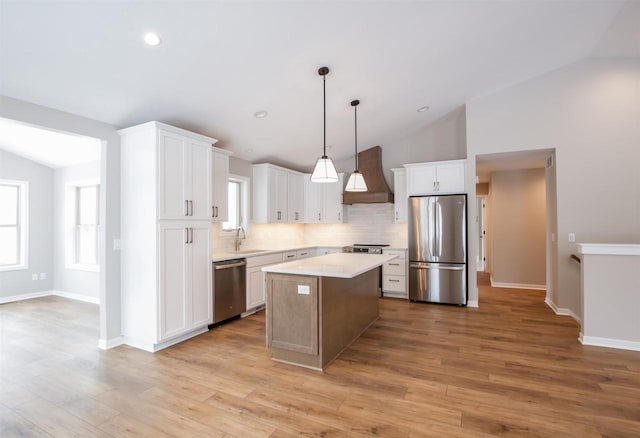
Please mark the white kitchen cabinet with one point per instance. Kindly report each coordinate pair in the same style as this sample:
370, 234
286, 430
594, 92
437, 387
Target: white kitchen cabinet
165, 255
323, 201
220, 185
324, 250
184, 177
441, 177
295, 197
184, 298
400, 198
278, 194
395, 274
255, 279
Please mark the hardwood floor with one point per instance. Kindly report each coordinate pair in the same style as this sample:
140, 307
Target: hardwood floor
508, 368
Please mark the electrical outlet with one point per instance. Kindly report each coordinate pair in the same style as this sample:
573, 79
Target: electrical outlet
43, 276
572, 237
303, 289
34, 277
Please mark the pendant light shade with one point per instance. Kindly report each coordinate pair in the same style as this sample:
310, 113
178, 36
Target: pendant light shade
356, 180
324, 171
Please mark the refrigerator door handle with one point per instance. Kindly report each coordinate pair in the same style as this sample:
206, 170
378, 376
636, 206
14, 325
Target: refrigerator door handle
439, 227
432, 227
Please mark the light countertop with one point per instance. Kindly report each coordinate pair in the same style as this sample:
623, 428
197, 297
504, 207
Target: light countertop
230, 255
340, 265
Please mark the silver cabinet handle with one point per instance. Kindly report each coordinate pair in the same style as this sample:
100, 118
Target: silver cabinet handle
191, 205
186, 206
217, 214
339, 216
396, 215
279, 217
296, 215
318, 216
434, 186
191, 235
213, 211
394, 264
186, 235
394, 281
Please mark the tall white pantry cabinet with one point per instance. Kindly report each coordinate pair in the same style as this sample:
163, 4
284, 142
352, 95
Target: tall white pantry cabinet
167, 210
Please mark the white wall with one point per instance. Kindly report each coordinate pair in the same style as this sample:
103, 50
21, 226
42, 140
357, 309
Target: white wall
588, 112
71, 280
110, 321
40, 180
518, 232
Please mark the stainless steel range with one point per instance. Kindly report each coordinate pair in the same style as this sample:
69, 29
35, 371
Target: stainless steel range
367, 248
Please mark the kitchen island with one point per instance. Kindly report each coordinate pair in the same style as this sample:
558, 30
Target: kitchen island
317, 307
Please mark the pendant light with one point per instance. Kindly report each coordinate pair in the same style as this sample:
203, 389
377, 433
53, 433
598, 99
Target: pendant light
324, 171
356, 180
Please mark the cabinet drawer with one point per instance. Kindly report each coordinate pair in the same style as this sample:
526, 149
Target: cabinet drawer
303, 253
401, 253
288, 256
269, 259
394, 283
394, 267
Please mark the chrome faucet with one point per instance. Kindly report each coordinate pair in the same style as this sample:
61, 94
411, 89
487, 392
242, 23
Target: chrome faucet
238, 238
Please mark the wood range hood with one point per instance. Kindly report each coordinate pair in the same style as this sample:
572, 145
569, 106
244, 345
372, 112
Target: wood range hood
370, 166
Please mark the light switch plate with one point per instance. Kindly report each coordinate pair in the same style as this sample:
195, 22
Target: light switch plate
572, 237
303, 289
43, 276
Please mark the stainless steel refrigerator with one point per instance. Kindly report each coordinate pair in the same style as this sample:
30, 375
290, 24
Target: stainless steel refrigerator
438, 249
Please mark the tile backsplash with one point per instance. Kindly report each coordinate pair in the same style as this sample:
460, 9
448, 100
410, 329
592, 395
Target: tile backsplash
366, 223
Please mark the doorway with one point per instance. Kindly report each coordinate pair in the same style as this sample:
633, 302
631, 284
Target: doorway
55, 179
481, 255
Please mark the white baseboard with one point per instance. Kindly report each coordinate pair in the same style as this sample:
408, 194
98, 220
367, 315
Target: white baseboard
106, 344
621, 344
472, 303
562, 311
77, 297
518, 285
152, 348
13, 298
48, 293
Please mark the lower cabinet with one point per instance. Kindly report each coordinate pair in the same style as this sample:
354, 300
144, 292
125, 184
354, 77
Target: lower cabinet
394, 275
255, 278
184, 299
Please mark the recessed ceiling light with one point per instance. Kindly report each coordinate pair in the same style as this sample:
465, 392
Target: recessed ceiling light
260, 114
248, 150
152, 39
423, 109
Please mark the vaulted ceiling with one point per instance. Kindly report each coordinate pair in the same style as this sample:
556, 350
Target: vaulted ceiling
222, 61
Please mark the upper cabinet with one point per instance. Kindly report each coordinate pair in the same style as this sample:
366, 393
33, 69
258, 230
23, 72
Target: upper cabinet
295, 197
323, 201
401, 200
183, 176
440, 177
220, 181
277, 194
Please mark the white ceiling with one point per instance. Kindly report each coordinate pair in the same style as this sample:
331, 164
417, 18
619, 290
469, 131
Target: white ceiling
221, 61
50, 148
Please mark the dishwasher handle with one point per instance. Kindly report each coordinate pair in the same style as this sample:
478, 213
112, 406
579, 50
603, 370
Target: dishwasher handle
230, 265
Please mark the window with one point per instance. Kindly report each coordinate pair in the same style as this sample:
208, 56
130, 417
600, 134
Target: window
237, 203
83, 222
14, 201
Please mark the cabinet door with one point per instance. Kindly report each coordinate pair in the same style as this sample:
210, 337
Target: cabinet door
255, 287
313, 199
277, 195
198, 185
401, 201
332, 202
295, 198
421, 180
199, 276
172, 300
450, 178
173, 157
220, 189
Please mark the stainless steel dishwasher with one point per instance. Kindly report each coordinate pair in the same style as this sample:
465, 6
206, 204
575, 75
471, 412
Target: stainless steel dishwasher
229, 289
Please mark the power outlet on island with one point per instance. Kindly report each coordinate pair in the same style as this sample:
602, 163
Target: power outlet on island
34, 277
304, 289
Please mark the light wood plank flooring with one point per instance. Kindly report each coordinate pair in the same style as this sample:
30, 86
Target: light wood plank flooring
509, 368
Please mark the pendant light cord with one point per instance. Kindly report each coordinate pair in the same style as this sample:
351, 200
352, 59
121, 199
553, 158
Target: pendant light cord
324, 113
355, 118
